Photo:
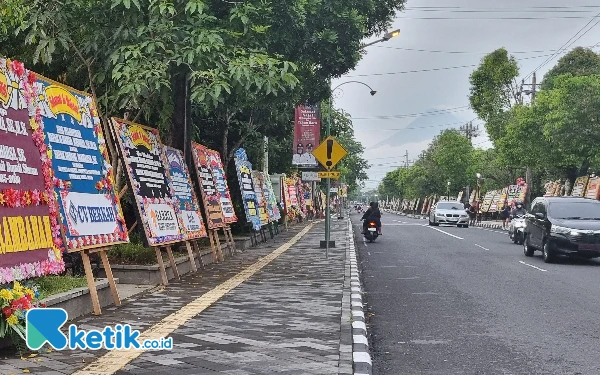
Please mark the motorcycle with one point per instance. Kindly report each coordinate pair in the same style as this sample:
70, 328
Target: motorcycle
516, 229
371, 232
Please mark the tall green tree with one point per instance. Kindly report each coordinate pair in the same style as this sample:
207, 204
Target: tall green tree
578, 62
494, 90
571, 117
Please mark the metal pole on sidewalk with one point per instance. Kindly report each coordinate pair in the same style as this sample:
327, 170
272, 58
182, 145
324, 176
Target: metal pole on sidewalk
327, 208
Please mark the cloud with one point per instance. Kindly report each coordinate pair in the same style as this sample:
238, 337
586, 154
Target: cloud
388, 158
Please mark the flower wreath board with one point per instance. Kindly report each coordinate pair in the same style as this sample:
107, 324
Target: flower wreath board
257, 178
30, 240
217, 200
243, 168
229, 216
90, 213
157, 204
189, 209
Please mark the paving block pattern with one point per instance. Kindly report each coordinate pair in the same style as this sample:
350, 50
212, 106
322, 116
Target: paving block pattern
285, 319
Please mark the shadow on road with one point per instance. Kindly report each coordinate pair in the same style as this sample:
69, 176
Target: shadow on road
573, 261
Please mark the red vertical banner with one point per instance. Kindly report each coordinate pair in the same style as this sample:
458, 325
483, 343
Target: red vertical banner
307, 130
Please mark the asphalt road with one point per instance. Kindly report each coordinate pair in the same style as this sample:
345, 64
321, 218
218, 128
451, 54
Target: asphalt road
446, 300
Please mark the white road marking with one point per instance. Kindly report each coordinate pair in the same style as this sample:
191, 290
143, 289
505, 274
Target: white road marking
490, 230
365, 241
532, 266
443, 231
402, 224
482, 247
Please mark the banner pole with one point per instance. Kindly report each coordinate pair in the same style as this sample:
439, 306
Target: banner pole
328, 200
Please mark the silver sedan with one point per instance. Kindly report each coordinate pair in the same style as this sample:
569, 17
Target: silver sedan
451, 213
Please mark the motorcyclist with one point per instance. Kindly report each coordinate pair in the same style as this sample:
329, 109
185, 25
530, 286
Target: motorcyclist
519, 210
372, 214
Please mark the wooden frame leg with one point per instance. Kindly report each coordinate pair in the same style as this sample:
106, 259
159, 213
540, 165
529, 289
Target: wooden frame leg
197, 250
213, 246
230, 234
218, 245
161, 266
111, 280
173, 264
191, 255
227, 242
90, 281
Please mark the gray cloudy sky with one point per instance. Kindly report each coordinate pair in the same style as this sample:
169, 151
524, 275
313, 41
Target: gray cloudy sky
462, 32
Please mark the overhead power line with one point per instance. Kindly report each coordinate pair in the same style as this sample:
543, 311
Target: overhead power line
408, 115
437, 69
504, 10
472, 52
495, 18
414, 71
531, 7
565, 46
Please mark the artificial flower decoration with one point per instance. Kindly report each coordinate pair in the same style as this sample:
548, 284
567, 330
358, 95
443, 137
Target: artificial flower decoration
14, 304
13, 198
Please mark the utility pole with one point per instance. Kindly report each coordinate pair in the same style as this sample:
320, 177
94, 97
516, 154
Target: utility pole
533, 88
406, 158
470, 131
534, 85
266, 155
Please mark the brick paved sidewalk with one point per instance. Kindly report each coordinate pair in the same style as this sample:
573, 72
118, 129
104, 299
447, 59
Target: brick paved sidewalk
286, 318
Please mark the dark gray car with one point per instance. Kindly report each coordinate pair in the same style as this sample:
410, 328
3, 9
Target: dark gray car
566, 226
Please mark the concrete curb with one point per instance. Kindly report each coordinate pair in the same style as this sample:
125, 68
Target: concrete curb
360, 343
489, 225
345, 365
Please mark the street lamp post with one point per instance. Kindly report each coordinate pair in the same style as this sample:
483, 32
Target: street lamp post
448, 191
386, 37
326, 244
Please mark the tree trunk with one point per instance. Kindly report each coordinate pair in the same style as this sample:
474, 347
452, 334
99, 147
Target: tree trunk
179, 135
529, 180
225, 147
584, 169
572, 174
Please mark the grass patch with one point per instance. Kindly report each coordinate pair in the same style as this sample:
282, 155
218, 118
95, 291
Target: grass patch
135, 252
50, 285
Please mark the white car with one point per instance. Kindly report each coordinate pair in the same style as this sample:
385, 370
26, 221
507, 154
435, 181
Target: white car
452, 213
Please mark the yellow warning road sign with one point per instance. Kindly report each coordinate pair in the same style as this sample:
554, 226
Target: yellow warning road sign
329, 174
329, 153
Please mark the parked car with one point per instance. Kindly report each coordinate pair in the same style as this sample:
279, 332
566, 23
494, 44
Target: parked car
563, 226
452, 213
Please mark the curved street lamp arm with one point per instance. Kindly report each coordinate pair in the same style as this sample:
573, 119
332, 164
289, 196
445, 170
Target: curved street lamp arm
362, 83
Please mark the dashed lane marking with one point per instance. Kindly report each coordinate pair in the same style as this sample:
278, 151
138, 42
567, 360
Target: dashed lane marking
532, 266
490, 230
113, 361
443, 231
481, 247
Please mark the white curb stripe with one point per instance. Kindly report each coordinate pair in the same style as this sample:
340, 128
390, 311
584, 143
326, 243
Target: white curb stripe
360, 339
361, 358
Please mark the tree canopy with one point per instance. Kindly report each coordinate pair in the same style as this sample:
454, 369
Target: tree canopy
241, 67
